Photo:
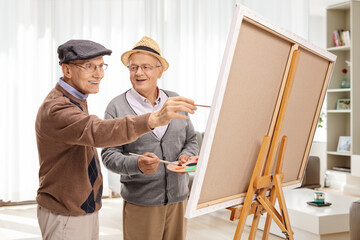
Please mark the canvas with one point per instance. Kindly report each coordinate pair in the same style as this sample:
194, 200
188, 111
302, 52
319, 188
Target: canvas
245, 106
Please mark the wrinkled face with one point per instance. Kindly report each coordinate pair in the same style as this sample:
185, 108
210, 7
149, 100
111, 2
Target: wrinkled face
144, 79
80, 74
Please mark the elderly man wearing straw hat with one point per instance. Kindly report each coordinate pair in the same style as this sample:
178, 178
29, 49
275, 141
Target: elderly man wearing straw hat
154, 197
69, 195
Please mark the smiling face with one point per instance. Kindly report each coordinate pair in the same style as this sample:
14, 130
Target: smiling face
79, 78
145, 82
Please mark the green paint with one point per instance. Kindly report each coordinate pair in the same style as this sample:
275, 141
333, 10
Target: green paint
190, 168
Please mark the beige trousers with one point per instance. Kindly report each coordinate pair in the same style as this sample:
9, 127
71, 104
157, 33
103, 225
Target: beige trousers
165, 222
60, 227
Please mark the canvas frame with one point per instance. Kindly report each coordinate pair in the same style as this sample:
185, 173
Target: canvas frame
243, 16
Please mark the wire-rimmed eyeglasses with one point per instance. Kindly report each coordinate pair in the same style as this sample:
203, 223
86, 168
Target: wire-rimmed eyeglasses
90, 68
145, 67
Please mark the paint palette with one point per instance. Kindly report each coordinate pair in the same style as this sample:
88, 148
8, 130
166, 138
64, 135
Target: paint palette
189, 166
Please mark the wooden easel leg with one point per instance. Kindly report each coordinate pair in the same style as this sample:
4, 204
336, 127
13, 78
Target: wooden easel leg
255, 222
256, 219
282, 205
260, 163
268, 218
243, 216
272, 198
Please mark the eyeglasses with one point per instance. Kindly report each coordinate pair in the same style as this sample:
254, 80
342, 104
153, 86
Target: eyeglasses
145, 67
90, 68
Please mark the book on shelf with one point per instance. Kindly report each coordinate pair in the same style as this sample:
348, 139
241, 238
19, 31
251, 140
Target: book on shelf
341, 37
341, 169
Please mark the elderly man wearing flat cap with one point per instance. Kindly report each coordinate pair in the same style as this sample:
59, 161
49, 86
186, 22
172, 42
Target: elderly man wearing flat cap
69, 195
154, 197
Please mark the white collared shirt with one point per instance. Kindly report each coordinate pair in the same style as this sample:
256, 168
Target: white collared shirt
141, 106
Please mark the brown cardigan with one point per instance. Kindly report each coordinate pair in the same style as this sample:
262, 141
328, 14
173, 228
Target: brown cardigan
67, 136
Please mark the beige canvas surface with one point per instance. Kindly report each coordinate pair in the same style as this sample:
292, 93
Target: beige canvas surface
246, 113
246, 105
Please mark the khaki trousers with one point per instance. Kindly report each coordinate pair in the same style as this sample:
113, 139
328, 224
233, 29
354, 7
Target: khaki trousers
60, 227
165, 222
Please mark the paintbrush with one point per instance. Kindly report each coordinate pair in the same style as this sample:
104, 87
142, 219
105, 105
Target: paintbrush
198, 105
163, 161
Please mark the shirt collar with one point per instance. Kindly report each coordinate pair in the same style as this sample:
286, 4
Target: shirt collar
141, 99
72, 90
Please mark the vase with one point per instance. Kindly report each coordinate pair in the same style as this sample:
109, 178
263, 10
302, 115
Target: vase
345, 82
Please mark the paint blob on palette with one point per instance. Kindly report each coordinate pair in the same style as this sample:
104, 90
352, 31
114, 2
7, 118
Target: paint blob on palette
189, 166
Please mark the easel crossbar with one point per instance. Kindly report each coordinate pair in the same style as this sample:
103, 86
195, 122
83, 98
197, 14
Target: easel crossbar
273, 212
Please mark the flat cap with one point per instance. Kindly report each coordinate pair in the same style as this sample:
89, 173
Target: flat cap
80, 50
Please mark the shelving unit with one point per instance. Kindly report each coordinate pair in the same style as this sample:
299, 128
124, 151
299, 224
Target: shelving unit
344, 122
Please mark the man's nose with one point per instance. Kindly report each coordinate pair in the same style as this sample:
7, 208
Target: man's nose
139, 71
98, 71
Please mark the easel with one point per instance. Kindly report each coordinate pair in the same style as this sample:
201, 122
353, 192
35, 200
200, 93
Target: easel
263, 180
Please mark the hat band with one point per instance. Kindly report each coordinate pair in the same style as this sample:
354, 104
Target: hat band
146, 49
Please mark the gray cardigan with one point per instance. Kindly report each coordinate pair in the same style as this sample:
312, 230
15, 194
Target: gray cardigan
163, 186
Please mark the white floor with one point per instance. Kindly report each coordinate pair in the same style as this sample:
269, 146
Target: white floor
19, 222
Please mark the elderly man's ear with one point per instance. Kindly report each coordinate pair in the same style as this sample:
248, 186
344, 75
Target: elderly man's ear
161, 72
66, 70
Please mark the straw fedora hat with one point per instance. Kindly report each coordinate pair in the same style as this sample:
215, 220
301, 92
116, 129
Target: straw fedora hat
148, 46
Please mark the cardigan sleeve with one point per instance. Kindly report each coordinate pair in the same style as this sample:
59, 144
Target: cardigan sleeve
114, 160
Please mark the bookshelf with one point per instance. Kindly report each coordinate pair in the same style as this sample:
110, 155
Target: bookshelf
344, 122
